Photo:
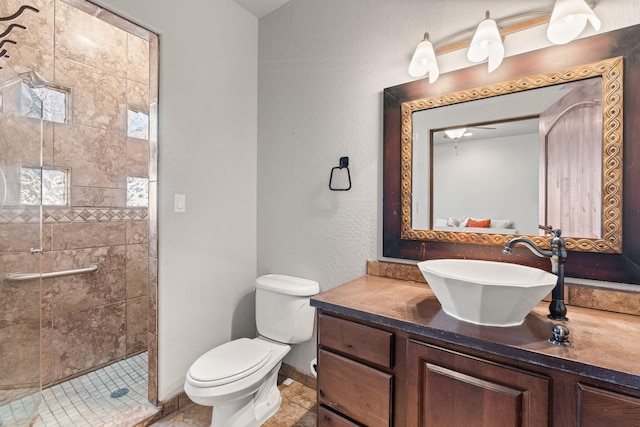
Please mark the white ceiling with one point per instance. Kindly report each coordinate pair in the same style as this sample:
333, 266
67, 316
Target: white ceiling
260, 8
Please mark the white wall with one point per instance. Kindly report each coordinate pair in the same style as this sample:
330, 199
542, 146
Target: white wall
207, 147
322, 68
477, 179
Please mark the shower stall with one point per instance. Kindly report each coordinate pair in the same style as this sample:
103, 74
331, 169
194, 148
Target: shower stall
20, 243
77, 162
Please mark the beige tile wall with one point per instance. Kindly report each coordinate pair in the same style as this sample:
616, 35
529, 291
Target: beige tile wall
87, 320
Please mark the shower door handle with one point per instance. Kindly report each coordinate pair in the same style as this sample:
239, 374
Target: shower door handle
19, 277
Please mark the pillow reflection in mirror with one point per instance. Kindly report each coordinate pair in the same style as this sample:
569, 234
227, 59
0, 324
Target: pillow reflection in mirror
480, 223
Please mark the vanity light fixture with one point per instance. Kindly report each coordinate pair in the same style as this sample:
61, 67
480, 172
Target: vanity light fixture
566, 21
424, 61
487, 44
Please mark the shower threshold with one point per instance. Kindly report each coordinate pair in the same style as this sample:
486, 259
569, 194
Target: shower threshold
114, 396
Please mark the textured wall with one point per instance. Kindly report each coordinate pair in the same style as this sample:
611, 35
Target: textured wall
322, 68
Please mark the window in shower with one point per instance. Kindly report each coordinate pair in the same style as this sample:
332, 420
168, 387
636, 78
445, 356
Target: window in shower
137, 191
48, 102
137, 123
46, 186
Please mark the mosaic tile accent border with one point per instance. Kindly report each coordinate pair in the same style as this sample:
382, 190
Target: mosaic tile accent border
31, 215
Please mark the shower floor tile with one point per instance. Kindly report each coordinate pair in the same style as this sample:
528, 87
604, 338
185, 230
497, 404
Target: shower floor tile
87, 401
16, 410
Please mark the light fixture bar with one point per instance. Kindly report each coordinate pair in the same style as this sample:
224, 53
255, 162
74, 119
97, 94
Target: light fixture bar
539, 18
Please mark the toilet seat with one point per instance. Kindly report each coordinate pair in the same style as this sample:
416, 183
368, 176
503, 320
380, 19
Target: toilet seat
229, 362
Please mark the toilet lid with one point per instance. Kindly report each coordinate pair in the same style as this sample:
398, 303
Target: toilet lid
230, 362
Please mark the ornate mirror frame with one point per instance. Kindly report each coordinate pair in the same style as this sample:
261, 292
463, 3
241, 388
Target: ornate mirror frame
615, 258
612, 95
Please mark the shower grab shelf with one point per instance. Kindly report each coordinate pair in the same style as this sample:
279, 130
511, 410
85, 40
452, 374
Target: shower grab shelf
19, 277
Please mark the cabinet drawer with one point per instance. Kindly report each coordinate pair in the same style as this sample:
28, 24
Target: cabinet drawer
362, 342
359, 392
605, 408
327, 418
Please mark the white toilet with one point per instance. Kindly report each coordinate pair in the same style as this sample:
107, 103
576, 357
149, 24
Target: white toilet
239, 378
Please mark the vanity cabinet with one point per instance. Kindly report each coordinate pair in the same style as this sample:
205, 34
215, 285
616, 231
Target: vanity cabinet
447, 388
438, 386
389, 356
356, 384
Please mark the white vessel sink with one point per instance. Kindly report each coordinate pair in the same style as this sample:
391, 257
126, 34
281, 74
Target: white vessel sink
485, 292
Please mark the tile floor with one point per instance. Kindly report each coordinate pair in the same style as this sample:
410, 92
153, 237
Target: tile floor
87, 401
298, 409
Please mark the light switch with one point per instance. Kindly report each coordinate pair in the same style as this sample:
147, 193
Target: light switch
179, 203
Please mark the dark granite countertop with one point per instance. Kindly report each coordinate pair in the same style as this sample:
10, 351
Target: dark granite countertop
605, 345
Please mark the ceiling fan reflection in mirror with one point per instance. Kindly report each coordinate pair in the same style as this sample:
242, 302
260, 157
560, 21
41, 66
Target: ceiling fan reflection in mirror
460, 132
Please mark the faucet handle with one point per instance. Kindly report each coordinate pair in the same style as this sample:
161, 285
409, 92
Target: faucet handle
549, 230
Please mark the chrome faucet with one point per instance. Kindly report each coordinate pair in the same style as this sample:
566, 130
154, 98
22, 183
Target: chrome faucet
558, 256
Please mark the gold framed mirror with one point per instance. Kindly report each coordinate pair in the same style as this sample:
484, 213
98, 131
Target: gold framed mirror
609, 201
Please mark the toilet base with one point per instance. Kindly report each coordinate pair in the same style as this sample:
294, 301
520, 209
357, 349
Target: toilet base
252, 410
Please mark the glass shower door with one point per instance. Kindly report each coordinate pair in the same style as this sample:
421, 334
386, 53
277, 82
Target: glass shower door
21, 142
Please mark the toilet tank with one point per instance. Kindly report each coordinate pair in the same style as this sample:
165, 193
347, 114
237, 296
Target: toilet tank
283, 312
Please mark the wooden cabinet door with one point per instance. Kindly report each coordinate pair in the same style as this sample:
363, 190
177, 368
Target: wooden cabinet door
598, 408
446, 388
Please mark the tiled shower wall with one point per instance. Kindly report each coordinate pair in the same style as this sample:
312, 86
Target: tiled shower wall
88, 320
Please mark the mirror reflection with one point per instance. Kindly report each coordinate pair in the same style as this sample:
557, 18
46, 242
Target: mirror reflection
507, 177
540, 164
476, 189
